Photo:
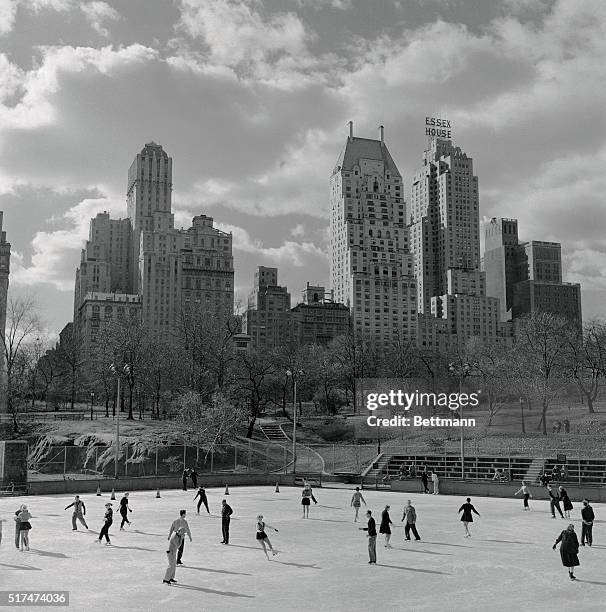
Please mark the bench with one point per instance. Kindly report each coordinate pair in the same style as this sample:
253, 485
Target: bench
13, 489
314, 482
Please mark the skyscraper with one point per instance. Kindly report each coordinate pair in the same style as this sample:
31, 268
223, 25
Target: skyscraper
5, 258
371, 267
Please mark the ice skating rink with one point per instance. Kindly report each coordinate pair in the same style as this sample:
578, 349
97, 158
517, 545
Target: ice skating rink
508, 563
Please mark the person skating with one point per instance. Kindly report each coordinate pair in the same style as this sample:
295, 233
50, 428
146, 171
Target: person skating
410, 514
425, 480
262, 536
306, 501
566, 503
588, 517
124, 510
201, 494
177, 524
554, 502
226, 513
306, 485
18, 526
467, 516
526, 493
194, 477
108, 519
173, 546
384, 527
24, 527
436, 482
569, 549
79, 512
356, 498
371, 532
184, 478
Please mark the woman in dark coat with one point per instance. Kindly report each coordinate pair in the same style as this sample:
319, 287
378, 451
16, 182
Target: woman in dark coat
385, 526
569, 549
565, 501
467, 517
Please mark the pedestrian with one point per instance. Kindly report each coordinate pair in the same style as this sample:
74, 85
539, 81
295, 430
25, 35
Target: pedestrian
436, 482
171, 553
306, 501
569, 549
467, 516
410, 514
356, 498
554, 502
262, 536
108, 519
79, 513
194, 477
203, 500
18, 526
371, 532
124, 510
425, 480
176, 525
566, 503
384, 527
226, 513
184, 478
588, 517
24, 527
526, 493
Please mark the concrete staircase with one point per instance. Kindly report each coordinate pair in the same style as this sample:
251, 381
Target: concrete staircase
534, 470
273, 432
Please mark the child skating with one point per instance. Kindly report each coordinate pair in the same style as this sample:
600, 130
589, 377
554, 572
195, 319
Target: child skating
306, 501
356, 498
24, 528
108, 519
262, 536
467, 516
124, 510
525, 491
201, 497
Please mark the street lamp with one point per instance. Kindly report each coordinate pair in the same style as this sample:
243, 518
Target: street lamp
293, 374
92, 403
461, 371
119, 372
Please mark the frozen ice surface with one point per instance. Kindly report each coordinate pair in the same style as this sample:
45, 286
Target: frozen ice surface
507, 564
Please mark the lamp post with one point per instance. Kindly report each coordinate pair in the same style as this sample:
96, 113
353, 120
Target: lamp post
119, 372
293, 374
461, 371
92, 403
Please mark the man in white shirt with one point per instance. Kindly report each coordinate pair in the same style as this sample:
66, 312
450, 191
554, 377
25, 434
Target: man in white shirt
180, 523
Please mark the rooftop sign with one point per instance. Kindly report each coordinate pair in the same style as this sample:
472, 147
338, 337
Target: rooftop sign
437, 128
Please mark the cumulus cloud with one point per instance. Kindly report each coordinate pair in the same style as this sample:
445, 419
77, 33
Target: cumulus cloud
8, 10
99, 13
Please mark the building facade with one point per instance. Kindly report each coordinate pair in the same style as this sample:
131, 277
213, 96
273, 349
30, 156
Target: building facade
371, 266
5, 259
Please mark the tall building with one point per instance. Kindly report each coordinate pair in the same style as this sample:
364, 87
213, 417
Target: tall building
5, 258
544, 261
371, 267
505, 262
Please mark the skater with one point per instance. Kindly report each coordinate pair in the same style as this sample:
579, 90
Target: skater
108, 520
526, 493
436, 482
410, 515
203, 500
79, 513
425, 480
554, 502
18, 526
588, 517
124, 510
569, 549
385, 526
177, 524
467, 517
226, 513
355, 502
566, 503
171, 553
194, 477
24, 527
306, 501
184, 478
306, 485
262, 536
371, 530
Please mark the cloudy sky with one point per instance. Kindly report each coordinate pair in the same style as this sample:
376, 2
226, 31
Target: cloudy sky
251, 99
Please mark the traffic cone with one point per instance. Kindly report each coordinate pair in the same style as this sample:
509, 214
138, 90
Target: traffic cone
158, 493
277, 487
226, 490
98, 489
113, 495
